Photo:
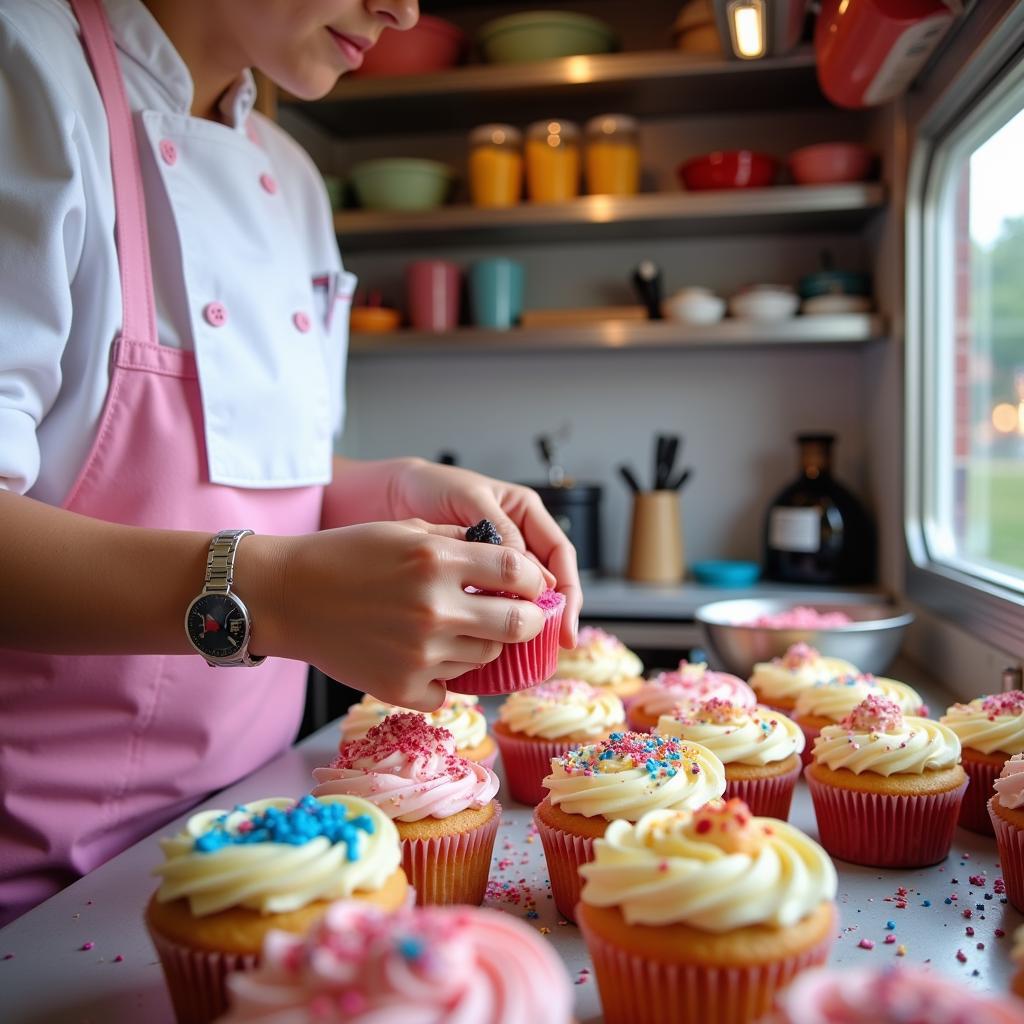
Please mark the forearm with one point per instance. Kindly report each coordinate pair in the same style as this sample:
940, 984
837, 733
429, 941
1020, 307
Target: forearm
362, 492
76, 585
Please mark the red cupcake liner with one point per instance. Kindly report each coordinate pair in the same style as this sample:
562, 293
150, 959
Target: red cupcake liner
519, 666
1010, 841
527, 763
196, 979
974, 810
681, 993
810, 735
767, 798
565, 854
452, 869
883, 831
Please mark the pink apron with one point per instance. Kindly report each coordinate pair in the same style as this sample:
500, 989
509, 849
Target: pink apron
98, 751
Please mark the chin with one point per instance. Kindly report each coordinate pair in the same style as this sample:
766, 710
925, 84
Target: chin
311, 83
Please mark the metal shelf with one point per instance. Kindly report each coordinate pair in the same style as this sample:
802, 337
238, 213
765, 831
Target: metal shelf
666, 214
656, 83
846, 329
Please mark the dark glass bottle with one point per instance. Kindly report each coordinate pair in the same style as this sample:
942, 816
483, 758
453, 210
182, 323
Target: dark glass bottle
816, 531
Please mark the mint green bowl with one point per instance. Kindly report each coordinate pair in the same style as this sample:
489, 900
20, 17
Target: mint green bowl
401, 183
543, 35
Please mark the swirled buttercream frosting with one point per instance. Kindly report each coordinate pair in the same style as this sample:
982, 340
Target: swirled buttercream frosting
599, 659
690, 683
458, 714
990, 724
562, 709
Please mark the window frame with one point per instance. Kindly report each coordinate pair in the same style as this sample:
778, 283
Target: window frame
973, 105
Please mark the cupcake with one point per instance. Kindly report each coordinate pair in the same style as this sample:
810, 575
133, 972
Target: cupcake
624, 776
687, 683
459, 714
760, 749
991, 729
435, 965
830, 702
536, 725
780, 681
442, 805
232, 876
1006, 810
888, 995
521, 665
702, 917
1017, 956
602, 660
886, 790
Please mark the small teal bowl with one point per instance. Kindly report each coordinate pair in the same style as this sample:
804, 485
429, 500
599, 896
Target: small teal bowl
726, 574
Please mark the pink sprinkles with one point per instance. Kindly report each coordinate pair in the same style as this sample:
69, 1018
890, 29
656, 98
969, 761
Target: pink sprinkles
1009, 703
410, 734
874, 714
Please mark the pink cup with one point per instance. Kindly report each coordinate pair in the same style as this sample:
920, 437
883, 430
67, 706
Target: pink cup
433, 295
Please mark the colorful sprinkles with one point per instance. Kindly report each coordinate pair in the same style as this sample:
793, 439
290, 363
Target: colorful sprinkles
662, 757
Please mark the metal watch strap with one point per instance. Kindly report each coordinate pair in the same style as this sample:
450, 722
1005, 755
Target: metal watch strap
220, 561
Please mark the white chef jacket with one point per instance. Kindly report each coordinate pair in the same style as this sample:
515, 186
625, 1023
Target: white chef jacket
246, 271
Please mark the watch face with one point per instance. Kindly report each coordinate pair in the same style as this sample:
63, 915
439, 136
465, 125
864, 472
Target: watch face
217, 625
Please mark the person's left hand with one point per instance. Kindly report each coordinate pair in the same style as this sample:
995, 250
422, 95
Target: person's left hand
447, 494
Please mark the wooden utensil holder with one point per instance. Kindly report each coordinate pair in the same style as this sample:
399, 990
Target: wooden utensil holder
656, 539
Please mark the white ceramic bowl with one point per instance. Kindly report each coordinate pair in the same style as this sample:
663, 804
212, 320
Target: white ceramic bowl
695, 306
768, 303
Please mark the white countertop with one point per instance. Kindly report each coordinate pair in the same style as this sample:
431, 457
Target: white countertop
46, 977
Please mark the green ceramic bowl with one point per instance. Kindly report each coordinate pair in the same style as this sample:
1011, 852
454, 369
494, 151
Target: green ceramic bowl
543, 35
401, 183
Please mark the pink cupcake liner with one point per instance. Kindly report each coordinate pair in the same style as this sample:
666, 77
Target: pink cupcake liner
527, 763
680, 993
1010, 841
883, 831
974, 810
519, 666
195, 979
565, 854
767, 798
452, 869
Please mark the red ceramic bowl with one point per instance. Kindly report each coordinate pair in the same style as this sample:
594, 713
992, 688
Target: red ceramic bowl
734, 168
831, 163
433, 45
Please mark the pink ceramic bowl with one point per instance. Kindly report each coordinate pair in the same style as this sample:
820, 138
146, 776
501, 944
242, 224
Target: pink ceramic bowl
735, 168
433, 45
831, 163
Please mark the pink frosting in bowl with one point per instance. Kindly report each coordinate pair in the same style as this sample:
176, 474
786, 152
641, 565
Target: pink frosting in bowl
360, 965
410, 770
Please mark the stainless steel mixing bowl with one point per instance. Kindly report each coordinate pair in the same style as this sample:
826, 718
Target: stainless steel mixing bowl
870, 642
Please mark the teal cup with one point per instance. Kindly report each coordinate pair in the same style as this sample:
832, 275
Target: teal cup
496, 293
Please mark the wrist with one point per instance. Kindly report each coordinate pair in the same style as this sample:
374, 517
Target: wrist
259, 581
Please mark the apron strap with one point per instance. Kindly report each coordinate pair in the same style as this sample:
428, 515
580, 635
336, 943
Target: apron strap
132, 236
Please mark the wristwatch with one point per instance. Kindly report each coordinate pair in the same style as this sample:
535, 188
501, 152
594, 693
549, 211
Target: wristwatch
217, 622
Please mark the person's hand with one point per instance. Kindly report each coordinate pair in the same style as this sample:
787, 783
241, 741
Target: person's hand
446, 494
383, 607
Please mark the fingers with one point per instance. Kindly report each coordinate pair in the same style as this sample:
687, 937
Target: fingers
427, 695
472, 650
453, 669
499, 619
499, 568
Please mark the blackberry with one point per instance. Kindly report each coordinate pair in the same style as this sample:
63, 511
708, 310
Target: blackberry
484, 533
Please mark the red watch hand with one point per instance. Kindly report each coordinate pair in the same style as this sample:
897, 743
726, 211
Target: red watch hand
210, 625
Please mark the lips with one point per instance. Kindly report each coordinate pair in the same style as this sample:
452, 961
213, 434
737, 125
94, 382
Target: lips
352, 47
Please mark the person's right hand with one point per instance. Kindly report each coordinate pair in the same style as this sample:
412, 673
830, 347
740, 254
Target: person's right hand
383, 607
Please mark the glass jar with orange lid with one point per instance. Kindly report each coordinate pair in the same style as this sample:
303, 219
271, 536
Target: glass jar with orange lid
612, 155
552, 161
495, 165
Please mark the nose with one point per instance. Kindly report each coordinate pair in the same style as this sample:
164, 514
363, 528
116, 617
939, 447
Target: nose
399, 14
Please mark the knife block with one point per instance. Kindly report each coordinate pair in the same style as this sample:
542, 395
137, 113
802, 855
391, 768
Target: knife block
656, 539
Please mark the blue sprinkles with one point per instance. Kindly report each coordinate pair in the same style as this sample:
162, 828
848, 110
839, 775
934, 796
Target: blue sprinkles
308, 819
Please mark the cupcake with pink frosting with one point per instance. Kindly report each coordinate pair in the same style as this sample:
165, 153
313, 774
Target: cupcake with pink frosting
442, 805
690, 683
891, 995
780, 681
1006, 810
601, 659
429, 966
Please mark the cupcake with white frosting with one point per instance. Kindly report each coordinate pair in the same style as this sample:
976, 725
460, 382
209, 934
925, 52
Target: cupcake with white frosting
538, 724
886, 789
459, 714
601, 659
1006, 808
702, 917
780, 681
991, 730
760, 749
689, 683
622, 777
231, 876
831, 701
442, 805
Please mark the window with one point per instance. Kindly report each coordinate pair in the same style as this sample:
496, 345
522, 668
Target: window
965, 310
